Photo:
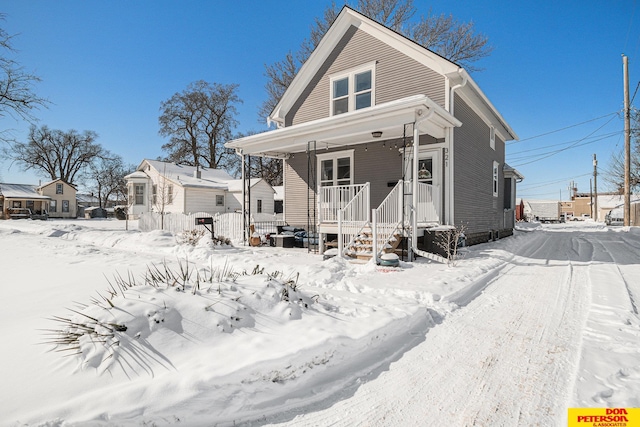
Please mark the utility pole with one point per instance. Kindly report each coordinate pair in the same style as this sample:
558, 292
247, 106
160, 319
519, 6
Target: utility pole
627, 145
595, 188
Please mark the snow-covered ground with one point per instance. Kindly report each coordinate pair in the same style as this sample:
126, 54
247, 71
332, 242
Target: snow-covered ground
517, 332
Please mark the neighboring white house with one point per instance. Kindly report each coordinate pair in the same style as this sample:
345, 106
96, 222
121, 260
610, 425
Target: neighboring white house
261, 196
172, 188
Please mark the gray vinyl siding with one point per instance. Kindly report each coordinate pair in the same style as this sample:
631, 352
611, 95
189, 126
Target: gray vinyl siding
475, 206
396, 76
296, 190
372, 162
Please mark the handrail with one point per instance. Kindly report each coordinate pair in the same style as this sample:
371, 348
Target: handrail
387, 218
353, 217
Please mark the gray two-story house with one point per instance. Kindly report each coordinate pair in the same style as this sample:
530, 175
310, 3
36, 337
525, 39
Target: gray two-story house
377, 132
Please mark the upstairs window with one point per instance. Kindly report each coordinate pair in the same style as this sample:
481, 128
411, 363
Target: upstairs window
352, 90
59, 188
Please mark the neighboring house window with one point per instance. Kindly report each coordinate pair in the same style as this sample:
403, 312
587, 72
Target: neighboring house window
30, 205
17, 204
259, 206
154, 195
335, 168
65, 206
352, 90
53, 206
495, 179
492, 137
59, 189
169, 194
139, 194
219, 200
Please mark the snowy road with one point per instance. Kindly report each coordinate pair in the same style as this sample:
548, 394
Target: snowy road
516, 354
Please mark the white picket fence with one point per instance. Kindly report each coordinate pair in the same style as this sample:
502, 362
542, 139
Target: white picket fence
228, 225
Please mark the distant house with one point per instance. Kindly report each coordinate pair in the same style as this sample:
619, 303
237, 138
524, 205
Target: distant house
56, 198
261, 196
158, 186
17, 196
278, 200
62, 199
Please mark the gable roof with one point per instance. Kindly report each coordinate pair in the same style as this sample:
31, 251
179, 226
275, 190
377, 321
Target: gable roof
184, 175
21, 191
235, 185
46, 184
349, 17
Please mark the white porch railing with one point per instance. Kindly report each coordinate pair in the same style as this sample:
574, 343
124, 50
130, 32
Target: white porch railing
428, 211
387, 219
353, 217
333, 199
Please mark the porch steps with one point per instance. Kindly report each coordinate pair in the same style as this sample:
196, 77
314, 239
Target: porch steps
362, 246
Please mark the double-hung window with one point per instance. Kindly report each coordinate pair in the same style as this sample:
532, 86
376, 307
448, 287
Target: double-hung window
335, 168
59, 188
139, 194
352, 90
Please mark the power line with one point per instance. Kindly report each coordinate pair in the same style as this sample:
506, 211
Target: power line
564, 143
566, 148
564, 128
546, 183
574, 144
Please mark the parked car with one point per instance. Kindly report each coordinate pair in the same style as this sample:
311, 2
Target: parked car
615, 216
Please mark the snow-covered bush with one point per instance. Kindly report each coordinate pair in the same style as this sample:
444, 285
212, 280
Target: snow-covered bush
135, 313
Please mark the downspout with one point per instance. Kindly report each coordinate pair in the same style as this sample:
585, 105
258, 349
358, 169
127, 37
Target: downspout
451, 210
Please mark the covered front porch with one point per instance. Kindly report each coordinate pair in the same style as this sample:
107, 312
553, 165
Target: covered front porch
354, 172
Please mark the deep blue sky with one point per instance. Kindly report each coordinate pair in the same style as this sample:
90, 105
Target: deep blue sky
107, 66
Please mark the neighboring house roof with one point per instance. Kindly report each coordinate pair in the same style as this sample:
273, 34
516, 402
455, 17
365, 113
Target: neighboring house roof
55, 181
279, 190
185, 175
349, 17
21, 191
235, 185
87, 198
606, 201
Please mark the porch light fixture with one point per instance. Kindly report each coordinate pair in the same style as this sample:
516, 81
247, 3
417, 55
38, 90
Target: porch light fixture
376, 134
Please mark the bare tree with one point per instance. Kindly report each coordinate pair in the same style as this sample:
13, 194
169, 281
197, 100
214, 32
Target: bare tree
17, 97
614, 174
106, 177
198, 121
56, 153
454, 40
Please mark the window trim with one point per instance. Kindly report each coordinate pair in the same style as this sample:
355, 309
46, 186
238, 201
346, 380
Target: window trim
492, 137
334, 155
351, 95
495, 176
219, 197
135, 194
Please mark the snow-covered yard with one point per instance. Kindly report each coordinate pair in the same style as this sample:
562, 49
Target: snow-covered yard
517, 332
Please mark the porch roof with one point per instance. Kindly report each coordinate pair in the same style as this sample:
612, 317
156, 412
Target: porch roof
351, 128
21, 192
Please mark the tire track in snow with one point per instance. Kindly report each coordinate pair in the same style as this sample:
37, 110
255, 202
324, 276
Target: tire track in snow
508, 357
